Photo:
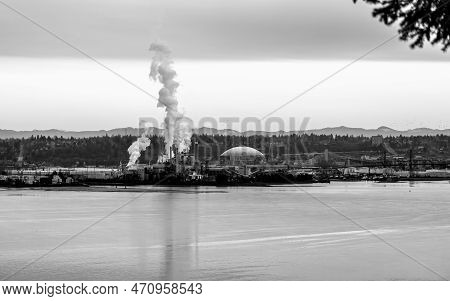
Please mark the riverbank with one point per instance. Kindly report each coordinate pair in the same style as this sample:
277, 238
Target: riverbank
196, 188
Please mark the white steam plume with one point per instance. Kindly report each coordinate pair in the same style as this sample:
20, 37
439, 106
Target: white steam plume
176, 132
136, 148
183, 136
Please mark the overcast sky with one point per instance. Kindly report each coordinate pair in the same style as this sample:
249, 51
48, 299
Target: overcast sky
234, 58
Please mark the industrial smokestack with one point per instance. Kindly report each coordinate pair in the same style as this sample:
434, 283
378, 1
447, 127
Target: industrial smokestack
176, 132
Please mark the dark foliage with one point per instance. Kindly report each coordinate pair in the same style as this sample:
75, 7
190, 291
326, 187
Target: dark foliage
419, 20
110, 151
106, 151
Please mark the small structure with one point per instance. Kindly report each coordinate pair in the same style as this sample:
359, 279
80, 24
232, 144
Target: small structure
56, 180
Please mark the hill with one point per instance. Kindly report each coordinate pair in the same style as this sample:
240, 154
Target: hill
341, 131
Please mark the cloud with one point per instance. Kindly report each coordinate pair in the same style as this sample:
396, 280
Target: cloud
231, 30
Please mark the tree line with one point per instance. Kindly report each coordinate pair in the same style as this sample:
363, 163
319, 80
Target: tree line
111, 150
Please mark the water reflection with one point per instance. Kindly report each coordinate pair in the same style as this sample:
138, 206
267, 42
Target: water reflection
180, 226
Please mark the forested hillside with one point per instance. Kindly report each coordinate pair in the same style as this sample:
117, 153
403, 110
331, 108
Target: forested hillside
110, 151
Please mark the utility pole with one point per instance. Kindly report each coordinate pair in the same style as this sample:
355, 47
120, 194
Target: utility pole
410, 162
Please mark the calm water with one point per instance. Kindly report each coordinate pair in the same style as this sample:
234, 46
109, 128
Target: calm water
247, 233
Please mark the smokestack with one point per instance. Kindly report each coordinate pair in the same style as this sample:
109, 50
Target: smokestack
176, 132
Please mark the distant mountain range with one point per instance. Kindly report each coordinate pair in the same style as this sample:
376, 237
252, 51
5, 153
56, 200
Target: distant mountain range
342, 130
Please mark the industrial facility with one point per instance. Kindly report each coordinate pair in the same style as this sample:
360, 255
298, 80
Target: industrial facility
216, 161
237, 166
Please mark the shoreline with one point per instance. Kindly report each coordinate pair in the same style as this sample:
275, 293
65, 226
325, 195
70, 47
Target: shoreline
181, 188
